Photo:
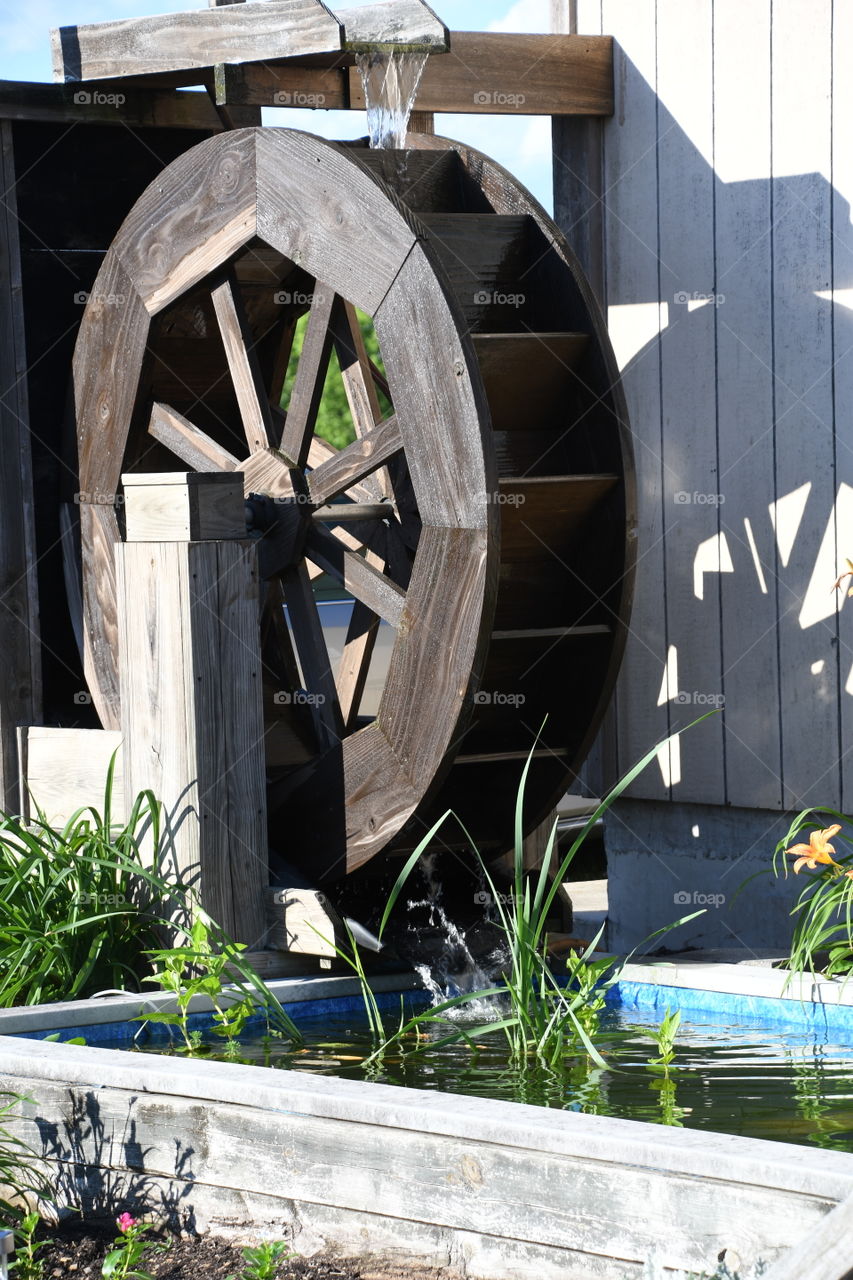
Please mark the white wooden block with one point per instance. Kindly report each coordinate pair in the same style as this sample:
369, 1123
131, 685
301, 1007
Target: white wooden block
64, 769
184, 506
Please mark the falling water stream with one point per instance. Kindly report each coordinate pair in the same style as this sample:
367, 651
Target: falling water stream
452, 968
390, 78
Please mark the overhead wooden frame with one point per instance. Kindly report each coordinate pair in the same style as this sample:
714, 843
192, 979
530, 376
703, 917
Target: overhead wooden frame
484, 72
199, 39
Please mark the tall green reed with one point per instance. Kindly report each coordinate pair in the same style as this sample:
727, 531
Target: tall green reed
543, 1016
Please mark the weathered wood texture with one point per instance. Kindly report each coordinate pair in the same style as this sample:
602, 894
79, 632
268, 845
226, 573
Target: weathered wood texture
193, 715
303, 922
492, 71
539, 483
20, 689
98, 104
822, 1254
485, 72
183, 507
194, 39
379, 1170
405, 24
64, 769
728, 257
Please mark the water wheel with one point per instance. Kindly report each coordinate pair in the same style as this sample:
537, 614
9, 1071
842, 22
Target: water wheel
480, 510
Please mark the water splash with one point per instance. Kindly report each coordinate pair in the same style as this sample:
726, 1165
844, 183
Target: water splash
390, 78
454, 970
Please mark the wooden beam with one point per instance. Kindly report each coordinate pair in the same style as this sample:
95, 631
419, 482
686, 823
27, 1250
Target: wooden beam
282, 84
500, 73
20, 688
485, 72
403, 24
195, 40
98, 103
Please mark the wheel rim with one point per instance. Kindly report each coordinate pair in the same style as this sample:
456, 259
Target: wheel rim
332, 221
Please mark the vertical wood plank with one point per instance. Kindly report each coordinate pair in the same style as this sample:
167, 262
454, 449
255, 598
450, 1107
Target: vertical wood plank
192, 713
690, 495
750, 594
633, 296
805, 447
578, 151
20, 689
842, 331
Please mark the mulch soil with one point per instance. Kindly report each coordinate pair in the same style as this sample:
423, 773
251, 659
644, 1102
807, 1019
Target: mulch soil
77, 1251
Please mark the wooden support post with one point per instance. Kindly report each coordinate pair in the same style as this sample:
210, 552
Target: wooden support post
192, 714
20, 686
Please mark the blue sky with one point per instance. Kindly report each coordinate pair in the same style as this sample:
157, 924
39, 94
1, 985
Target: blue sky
522, 143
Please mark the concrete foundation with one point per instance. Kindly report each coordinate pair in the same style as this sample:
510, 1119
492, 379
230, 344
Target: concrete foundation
666, 860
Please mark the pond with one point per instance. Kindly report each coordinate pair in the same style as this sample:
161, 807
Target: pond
730, 1074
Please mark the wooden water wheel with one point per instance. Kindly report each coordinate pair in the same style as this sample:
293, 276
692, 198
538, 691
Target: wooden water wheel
480, 510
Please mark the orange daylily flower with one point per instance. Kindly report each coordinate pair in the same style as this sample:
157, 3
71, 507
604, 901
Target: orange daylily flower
818, 850
847, 574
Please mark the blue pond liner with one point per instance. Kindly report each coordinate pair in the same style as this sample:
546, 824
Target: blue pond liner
804, 1015
119, 1034
636, 997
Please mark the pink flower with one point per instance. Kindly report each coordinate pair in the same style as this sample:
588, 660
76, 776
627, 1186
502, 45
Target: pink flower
125, 1222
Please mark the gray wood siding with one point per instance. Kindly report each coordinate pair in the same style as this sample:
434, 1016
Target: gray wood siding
728, 283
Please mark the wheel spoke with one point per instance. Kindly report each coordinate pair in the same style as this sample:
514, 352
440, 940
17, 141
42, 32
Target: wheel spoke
312, 650
188, 443
356, 574
310, 378
358, 652
356, 372
243, 364
358, 460
351, 512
